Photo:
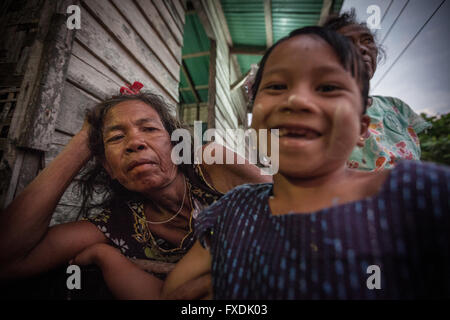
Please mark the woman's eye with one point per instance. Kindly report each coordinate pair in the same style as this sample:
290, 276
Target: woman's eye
149, 129
327, 88
115, 138
367, 40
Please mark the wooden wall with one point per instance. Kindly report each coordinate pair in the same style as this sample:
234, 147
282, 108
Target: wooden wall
119, 42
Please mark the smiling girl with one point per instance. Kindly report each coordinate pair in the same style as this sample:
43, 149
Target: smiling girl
319, 229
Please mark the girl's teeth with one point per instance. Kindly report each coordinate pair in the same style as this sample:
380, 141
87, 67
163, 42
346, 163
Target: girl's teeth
300, 133
311, 135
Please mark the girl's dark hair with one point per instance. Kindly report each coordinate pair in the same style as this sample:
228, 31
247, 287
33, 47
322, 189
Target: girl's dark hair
335, 22
96, 187
345, 50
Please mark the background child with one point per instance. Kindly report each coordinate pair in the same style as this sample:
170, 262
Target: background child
394, 126
320, 229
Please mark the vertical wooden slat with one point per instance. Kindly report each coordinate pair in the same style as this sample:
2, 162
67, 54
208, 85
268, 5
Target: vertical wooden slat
326, 9
212, 85
268, 22
31, 79
43, 112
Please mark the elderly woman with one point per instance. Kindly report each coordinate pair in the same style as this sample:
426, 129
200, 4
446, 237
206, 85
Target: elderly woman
149, 204
394, 126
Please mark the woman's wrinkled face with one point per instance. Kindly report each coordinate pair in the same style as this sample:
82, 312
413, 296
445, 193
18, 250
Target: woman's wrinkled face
363, 39
137, 147
314, 102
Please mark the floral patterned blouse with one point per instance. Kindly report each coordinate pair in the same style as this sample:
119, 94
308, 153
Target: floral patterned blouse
392, 135
126, 228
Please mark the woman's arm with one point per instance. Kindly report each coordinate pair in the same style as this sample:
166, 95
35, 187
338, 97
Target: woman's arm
24, 223
225, 177
190, 278
124, 278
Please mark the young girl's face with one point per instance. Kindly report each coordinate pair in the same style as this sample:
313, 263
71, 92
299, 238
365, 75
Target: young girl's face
314, 102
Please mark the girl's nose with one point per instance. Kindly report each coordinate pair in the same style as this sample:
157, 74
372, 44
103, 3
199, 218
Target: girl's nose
299, 102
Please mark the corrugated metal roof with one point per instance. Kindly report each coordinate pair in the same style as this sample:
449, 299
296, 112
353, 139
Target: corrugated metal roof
246, 23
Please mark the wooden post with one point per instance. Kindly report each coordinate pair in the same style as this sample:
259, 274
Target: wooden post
268, 22
324, 13
212, 85
42, 111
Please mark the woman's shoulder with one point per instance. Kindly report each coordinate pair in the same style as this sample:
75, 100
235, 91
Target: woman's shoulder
387, 103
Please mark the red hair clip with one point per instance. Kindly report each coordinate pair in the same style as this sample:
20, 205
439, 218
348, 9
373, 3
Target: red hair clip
135, 88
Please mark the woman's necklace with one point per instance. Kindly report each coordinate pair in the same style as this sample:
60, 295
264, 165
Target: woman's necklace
176, 214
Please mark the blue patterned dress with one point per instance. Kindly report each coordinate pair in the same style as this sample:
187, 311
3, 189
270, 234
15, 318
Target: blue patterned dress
404, 231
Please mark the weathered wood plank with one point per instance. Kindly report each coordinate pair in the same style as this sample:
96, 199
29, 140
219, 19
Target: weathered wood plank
180, 10
215, 22
206, 23
64, 214
91, 80
42, 113
86, 56
61, 138
150, 37
111, 53
183, 3
111, 20
29, 169
174, 14
169, 22
223, 22
73, 109
158, 24
5, 116
212, 85
223, 104
268, 22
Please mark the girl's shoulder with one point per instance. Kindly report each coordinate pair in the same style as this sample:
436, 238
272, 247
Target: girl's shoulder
419, 178
423, 169
247, 189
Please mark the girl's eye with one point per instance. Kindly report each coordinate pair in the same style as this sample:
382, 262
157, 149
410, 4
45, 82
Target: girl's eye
276, 87
327, 88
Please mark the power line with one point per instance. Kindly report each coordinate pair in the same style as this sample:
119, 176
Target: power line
385, 13
409, 43
395, 21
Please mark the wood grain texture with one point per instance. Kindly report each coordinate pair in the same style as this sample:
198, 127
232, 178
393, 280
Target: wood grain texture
73, 108
168, 20
150, 37
157, 22
112, 53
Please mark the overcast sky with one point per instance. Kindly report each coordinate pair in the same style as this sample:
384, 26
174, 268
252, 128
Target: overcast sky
419, 75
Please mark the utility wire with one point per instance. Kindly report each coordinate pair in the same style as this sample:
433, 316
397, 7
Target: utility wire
395, 21
409, 43
387, 9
